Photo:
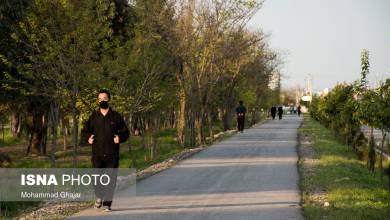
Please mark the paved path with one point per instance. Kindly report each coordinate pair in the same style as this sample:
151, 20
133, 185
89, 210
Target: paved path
252, 175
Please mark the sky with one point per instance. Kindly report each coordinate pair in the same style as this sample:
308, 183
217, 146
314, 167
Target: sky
324, 38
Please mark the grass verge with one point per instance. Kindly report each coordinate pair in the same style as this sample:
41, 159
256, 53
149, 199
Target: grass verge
334, 183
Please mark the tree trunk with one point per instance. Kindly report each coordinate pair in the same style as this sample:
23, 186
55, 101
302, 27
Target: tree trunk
371, 153
134, 127
65, 132
75, 132
172, 119
153, 147
44, 134
228, 111
381, 154
146, 124
144, 141
2, 131
388, 174
132, 156
54, 122
347, 135
210, 125
29, 145
181, 119
199, 128
131, 118
156, 128
192, 127
15, 124
254, 117
37, 130
227, 119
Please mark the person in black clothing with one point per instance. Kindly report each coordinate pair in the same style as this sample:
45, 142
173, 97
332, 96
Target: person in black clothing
240, 111
273, 112
106, 129
299, 111
280, 112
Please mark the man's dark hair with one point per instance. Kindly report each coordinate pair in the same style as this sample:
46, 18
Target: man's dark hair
105, 91
241, 102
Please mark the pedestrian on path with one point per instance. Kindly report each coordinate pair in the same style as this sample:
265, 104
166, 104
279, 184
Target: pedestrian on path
241, 111
280, 112
273, 112
299, 111
106, 129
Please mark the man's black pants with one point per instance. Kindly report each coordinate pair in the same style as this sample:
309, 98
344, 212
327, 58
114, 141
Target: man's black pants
240, 123
103, 192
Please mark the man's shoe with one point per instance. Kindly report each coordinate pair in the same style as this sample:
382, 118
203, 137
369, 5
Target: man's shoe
98, 203
107, 208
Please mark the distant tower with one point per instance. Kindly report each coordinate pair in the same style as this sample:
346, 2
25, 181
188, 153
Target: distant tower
309, 88
309, 85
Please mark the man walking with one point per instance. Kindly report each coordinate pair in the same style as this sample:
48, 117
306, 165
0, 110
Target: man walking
106, 129
299, 111
240, 111
273, 112
280, 112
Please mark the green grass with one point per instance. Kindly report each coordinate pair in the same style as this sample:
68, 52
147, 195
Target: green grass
11, 209
6, 138
351, 190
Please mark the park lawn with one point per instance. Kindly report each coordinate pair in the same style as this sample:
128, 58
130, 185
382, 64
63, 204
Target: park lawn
6, 138
341, 179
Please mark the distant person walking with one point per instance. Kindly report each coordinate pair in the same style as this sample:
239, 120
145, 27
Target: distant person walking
241, 111
105, 129
299, 111
280, 112
273, 112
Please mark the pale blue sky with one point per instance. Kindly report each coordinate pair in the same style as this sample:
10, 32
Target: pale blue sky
325, 37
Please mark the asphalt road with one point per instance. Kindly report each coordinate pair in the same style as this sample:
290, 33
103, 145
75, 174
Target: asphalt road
252, 175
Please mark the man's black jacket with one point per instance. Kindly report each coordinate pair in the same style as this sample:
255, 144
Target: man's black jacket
241, 110
104, 128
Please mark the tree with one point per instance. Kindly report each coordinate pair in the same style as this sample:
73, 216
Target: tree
367, 106
62, 40
367, 112
139, 69
204, 34
11, 52
365, 70
186, 62
16, 83
382, 115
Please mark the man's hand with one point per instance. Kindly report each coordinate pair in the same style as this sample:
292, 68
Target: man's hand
90, 140
116, 139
